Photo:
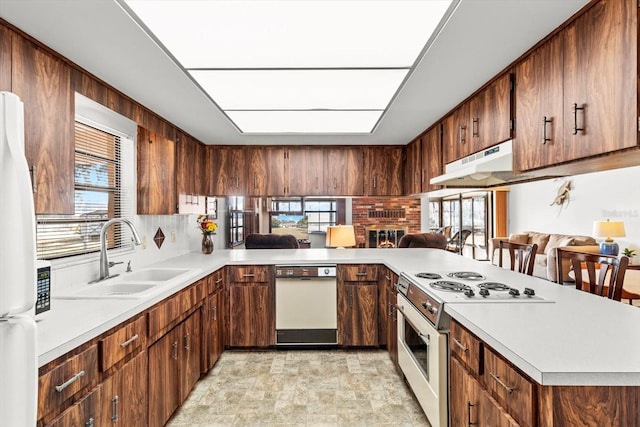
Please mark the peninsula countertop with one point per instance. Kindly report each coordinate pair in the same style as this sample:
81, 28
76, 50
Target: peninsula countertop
578, 339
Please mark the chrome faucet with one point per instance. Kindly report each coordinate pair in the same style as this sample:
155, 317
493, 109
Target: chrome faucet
104, 260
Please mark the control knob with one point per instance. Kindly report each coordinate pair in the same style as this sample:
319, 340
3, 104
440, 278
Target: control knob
469, 293
529, 292
514, 292
326, 271
484, 292
429, 307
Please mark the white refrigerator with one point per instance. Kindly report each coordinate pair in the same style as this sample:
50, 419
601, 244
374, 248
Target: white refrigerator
18, 355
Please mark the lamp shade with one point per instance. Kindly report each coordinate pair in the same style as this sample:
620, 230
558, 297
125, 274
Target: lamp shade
339, 236
608, 229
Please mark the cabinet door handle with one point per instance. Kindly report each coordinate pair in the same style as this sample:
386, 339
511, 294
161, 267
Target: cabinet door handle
375, 182
474, 127
335, 183
218, 281
461, 134
70, 381
499, 381
422, 178
260, 302
129, 341
459, 344
545, 139
255, 181
469, 406
215, 312
174, 356
186, 341
89, 422
389, 311
237, 181
114, 409
576, 129
34, 178
317, 182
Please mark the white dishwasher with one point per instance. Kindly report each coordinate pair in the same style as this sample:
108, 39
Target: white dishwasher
306, 305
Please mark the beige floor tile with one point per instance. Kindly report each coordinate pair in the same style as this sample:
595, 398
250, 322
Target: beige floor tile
301, 388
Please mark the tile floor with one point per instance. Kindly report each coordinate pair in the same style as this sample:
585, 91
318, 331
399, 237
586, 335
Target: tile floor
301, 388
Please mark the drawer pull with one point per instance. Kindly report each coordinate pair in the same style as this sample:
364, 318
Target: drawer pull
248, 275
129, 341
459, 344
499, 381
218, 281
70, 381
469, 422
361, 274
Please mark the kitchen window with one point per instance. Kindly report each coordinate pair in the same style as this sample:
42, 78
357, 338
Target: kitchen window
98, 197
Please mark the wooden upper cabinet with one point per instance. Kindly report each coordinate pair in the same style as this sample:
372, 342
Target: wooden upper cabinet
43, 83
431, 157
456, 134
156, 174
384, 171
490, 115
267, 172
540, 130
600, 79
413, 167
190, 166
305, 171
344, 171
5, 58
227, 170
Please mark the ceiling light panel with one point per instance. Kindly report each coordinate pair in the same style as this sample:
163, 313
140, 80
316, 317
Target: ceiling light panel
300, 89
337, 122
258, 34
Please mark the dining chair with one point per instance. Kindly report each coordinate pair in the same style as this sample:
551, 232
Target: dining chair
521, 256
604, 273
456, 242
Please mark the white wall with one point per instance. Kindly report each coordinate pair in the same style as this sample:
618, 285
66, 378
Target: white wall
596, 196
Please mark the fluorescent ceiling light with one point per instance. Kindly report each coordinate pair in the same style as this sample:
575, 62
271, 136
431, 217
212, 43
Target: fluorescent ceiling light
300, 89
305, 121
294, 55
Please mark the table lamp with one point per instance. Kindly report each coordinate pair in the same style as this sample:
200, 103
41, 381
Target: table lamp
339, 236
608, 229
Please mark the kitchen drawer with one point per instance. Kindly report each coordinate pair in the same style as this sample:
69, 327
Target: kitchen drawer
511, 389
86, 412
466, 347
358, 272
250, 274
215, 281
65, 380
126, 340
168, 311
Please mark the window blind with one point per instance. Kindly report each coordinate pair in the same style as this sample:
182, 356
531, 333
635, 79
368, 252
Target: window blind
99, 196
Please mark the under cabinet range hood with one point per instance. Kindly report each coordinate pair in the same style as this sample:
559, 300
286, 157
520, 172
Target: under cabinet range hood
487, 168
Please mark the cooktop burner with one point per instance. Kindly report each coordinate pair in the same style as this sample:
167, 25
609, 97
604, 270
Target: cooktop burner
430, 276
450, 286
494, 286
469, 275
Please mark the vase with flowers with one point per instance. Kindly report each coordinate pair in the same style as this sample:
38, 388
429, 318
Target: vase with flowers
207, 228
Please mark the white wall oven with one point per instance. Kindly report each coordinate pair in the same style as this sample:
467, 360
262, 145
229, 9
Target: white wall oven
422, 353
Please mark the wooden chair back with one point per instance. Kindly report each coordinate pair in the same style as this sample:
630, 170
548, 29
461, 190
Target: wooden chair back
521, 256
456, 242
605, 273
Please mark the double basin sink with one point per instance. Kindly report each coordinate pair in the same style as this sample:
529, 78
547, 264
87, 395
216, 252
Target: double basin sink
137, 284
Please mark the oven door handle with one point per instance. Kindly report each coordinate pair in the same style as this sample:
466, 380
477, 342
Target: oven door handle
425, 338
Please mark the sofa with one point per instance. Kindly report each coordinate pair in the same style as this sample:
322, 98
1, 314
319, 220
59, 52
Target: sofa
545, 260
271, 241
423, 240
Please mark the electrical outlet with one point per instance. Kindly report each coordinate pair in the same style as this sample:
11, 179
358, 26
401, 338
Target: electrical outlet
173, 236
144, 242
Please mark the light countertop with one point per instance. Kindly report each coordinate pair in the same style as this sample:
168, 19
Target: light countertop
579, 339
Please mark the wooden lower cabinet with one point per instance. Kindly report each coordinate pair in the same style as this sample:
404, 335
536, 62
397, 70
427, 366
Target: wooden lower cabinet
213, 325
251, 315
124, 394
174, 368
358, 314
87, 412
470, 404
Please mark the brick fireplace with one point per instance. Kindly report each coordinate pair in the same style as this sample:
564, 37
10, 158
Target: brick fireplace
394, 212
